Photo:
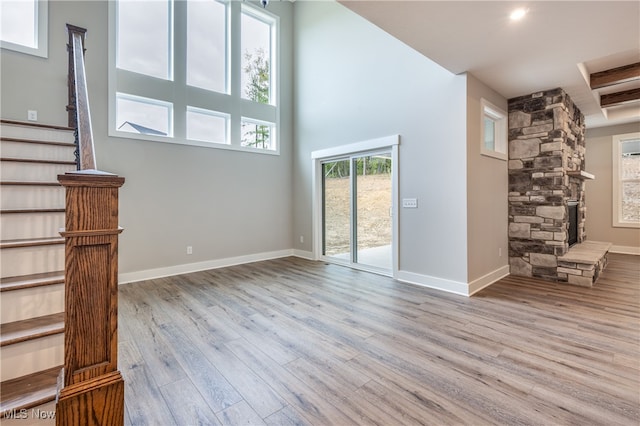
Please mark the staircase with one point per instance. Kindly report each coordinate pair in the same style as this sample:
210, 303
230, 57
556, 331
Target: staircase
32, 260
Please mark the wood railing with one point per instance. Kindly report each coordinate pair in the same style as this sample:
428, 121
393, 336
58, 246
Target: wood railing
90, 387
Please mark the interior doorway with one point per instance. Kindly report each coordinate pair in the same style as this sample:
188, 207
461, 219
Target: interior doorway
355, 211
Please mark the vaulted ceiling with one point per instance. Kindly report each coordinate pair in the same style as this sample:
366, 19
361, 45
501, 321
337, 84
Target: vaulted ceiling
556, 44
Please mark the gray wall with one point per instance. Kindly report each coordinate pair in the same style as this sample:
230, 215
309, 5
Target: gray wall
487, 189
599, 161
223, 203
354, 82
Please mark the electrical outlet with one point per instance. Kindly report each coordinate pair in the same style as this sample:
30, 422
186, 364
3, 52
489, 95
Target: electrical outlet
189, 250
410, 203
301, 239
500, 252
32, 115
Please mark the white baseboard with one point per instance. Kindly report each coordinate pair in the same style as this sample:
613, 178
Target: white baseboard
129, 277
486, 280
434, 282
625, 250
304, 254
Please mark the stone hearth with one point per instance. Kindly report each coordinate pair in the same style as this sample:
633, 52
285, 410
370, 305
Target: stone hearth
546, 173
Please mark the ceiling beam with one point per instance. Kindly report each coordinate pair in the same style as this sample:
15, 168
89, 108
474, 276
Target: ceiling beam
613, 76
619, 98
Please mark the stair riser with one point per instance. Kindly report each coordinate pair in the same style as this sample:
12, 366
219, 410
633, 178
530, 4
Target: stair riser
32, 151
32, 197
32, 302
32, 260
17, 226
35, 133
28, 357
32, 172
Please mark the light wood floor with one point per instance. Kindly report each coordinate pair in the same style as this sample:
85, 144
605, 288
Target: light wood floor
290, 341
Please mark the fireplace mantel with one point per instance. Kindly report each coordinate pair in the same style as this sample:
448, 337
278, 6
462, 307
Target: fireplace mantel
581, 174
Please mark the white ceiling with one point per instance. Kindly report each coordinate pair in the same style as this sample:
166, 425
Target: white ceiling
548, 48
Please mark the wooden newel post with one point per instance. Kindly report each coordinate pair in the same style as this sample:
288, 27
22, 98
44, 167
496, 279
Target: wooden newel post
92, 388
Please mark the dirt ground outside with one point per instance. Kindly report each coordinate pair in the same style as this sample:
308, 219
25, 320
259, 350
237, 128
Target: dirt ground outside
374, 213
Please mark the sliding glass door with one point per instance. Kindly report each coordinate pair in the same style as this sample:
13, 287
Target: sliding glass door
357, 206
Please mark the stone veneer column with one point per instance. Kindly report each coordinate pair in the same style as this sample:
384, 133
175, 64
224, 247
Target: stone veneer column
546, 144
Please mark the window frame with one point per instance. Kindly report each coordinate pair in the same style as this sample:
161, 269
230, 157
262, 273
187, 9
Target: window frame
618, 180
41, 37
183, 96
499, 118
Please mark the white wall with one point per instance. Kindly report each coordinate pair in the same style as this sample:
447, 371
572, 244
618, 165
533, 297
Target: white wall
599, 161
226, 204
354, 82
487, 189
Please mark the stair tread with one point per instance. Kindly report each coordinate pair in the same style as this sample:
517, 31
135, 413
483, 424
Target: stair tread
32, 328
39, 161
16, 211
29, 183
29, 391
32, 124
33, 280
31, 242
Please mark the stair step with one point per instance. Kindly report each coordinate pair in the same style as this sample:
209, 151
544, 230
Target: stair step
33, 328
29, 391
37, 150
31, 224
25, 258
17, 197
34, 170
33, 280
37, 141
35, 131
31, 242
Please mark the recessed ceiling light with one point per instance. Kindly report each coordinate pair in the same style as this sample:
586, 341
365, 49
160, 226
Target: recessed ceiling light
518, 14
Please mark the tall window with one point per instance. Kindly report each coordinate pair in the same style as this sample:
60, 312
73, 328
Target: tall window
199, 72
626, 180
23, 26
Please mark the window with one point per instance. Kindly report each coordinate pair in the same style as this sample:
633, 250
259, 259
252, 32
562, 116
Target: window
197, 72
626, 180
23, 26
493, 131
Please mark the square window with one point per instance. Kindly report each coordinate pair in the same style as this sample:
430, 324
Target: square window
258, 134
144, 116
207, 126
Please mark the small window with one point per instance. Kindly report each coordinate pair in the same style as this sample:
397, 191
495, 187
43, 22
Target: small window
626, 180
258, 134
207, 126
23, 26
143, 116
494, 131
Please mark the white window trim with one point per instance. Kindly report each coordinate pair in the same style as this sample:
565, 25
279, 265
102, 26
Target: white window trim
42, 31
617, 180
500, 118
236, 107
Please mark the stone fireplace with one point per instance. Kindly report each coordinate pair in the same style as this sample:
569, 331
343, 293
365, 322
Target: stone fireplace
546, 176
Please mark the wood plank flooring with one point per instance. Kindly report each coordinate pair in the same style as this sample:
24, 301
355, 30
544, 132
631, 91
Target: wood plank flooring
294, 342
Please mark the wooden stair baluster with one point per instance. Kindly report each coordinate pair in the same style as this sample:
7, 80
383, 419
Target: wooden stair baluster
93, 392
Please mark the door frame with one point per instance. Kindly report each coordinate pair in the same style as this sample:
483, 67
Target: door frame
387, 143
